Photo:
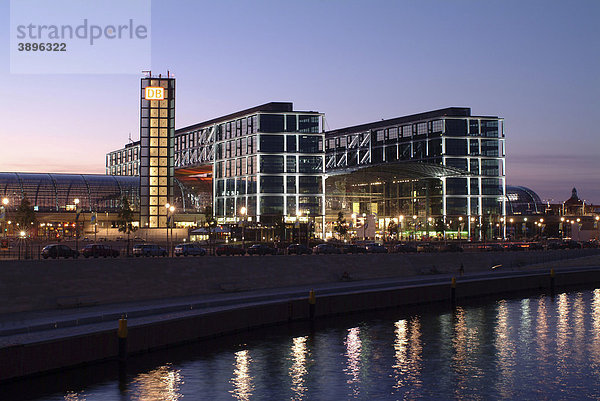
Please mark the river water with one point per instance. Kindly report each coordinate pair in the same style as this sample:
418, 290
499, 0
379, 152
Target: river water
532, 348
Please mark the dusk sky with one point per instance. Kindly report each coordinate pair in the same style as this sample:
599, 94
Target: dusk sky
534, 63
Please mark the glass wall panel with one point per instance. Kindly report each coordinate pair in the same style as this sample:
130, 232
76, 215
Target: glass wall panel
291, 164
456, 186
310, 164
271, 164
271, 205
310, 205
308, 124
271, 143
309, 185
456, 127
456, 147
457, 163
491, 186
456, 206
271, 123
290, 123
309, 144
291, 205
271, 184
291, 184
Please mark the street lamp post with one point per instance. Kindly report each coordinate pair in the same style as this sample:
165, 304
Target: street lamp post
76, 201
460, 227
415, 227
170, 210
400, 219
4, 208
365, 225
243, 212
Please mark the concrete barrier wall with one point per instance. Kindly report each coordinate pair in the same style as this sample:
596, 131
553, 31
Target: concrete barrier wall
50, 284
23, 360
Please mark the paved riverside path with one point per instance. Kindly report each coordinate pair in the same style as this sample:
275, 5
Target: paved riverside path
33, 327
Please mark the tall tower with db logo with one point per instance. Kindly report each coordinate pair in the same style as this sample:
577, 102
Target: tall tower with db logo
157, 133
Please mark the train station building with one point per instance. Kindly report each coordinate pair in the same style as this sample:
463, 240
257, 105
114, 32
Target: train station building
434, 174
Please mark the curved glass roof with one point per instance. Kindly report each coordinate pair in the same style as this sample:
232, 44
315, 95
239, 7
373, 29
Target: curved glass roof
57, 192
522, 200
52, 192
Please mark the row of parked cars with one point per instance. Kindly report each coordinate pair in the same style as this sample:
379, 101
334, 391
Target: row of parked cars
55, 251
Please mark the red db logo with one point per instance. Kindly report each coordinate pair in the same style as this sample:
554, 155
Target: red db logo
154, 93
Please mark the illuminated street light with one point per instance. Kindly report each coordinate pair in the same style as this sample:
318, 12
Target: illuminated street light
76, 201
4, 205
243, 211
170, 209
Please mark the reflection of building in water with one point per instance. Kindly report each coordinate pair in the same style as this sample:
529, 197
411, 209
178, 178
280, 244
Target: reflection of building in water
353, 345
162, 384
241, 380
408, 349
505, 349
595, 329
298, 369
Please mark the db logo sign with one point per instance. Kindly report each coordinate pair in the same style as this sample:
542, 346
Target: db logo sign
154, 93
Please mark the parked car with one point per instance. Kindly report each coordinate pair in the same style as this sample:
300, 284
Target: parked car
353, 248
59, 251
324, 249
571, 244
376, 248
517, 247
148, 250
493, 247
189, 249
405, 248
97, 250
425, 248
536, 246
298, 249
261, 249
451, 247
228, 250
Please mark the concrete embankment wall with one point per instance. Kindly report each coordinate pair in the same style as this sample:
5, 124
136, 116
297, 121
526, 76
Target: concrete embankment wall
51, 284
23, 360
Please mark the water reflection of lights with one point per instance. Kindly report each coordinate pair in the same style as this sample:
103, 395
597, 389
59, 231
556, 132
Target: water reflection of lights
298, 369
525, 331
562, 330
242, 381
157, 385
595, 334
579, 326
505, 350
353, 349
542, 330
400, 348
74, 396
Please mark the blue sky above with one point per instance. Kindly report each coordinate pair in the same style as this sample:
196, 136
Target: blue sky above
535, 63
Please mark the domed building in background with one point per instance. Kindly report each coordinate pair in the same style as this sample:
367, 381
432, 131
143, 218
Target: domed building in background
523, 201
574, 205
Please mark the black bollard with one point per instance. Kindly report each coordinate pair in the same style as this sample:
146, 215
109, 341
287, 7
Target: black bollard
122, 334
312, 301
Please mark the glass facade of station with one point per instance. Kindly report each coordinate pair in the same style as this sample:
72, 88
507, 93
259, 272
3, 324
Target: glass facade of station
466, 195
430, 173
